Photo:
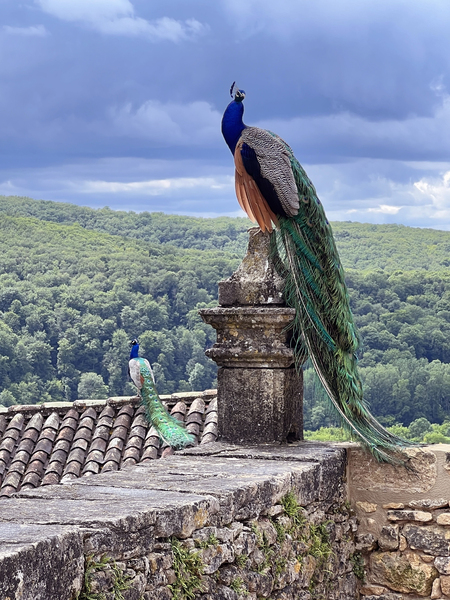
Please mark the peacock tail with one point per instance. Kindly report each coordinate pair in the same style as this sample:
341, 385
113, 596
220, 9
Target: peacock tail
170, 430
323, 328
274, 190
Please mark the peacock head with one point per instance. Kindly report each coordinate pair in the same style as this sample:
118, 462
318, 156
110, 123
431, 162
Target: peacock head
236, 93
134, 344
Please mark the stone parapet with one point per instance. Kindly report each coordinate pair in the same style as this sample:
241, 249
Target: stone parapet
223, 522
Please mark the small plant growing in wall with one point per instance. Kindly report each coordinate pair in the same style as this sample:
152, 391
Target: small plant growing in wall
357, 561
237, 585
211, 541
119, 582
188, 569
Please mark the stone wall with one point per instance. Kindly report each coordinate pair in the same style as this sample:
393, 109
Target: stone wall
218, 522
404, 524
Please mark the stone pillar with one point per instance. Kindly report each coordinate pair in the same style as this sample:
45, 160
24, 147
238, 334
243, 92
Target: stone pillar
260, 394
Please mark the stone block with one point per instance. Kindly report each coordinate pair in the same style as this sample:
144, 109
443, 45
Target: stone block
386, 596
442, 564
38, 563
409, 515
388, 538
429, 503
214, 556
259, 405
254, 337
365, 542
443, 519
367, 507
428, 539
445, 584
436, 591
372, 590
402, 573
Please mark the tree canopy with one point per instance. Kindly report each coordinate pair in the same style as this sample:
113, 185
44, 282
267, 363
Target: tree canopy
76, 284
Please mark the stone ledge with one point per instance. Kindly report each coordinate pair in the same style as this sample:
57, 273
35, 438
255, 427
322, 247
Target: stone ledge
122, 513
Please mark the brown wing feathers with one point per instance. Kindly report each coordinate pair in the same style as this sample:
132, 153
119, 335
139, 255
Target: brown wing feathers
249, 196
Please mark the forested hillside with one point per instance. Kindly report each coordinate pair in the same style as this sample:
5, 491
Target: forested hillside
71, 299
76, 284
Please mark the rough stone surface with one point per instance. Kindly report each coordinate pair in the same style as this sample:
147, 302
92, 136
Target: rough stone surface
388, 596
442, 564
372, 590
410, 515
256, 281
365, 542
445, 584
436, 591
443, 519
389, 478
269, 410
367, 507
388, 539
403, 573
429, 539
216, 505
429, 503
251, 337
28, 553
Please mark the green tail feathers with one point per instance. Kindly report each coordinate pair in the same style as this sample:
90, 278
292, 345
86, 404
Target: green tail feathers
170, 430
306, 256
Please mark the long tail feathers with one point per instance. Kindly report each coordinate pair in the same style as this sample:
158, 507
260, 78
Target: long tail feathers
170, 430
306, 255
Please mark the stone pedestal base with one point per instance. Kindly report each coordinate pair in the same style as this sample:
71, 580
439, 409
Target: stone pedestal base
259, 405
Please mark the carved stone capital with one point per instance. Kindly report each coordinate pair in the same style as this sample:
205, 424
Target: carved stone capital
251, 337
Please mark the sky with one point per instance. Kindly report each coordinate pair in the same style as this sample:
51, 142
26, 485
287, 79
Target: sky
118, 102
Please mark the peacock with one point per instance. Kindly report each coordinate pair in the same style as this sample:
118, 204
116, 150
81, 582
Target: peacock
170, 430
275, 192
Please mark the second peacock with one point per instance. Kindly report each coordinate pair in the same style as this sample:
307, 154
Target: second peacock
170, 430
274, 190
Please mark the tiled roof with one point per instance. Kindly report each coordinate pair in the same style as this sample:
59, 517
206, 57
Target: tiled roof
57, 442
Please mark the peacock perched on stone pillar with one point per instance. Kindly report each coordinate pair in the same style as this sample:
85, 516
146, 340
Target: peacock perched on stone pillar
275, 192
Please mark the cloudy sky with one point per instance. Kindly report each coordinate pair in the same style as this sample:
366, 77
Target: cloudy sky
118, 102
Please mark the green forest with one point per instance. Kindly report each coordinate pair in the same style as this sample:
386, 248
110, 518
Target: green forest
76, 284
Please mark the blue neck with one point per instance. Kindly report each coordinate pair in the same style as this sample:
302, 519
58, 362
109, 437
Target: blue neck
232, 124
134, 351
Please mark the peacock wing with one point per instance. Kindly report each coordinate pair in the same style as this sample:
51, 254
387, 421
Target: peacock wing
134, 370
266, 158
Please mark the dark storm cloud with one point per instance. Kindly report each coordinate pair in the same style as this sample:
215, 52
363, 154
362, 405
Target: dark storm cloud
118, 102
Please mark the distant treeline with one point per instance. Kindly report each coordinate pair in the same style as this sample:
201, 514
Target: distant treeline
76, 284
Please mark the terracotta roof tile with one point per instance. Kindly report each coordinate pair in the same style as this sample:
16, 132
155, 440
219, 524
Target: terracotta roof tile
3, 424
53, 442
168, 451
36, 467
179, 409
151, 445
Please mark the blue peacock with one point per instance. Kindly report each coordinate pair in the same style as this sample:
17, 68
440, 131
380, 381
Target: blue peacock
275, 192
170, 430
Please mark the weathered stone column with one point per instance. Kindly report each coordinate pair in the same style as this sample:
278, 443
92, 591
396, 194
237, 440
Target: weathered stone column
259, 391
